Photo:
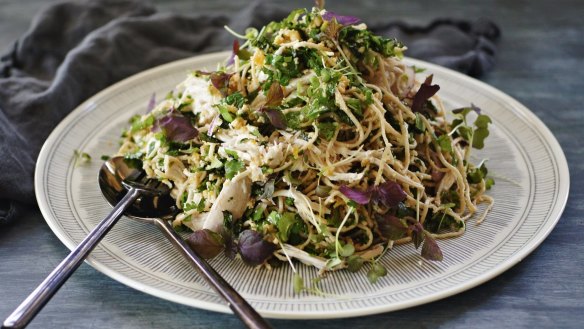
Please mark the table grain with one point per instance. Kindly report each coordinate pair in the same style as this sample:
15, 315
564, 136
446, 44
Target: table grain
540, 63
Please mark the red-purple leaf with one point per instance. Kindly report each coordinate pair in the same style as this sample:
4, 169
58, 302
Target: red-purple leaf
276, 117
390, 194
206, 243
391, 227
254, 250
151, 103
275, 95
361, 197
430, 249
230, 244
231, 59
220, 80
417, 234
437, 175
427, 90
177, 128
343, 20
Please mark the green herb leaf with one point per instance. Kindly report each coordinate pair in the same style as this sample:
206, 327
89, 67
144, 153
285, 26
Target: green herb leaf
298, 283
200, 206
80, 158
284, 224
481, 132
333, 262
346, 250
355, 263
444, 143
420, 126
139, 122
232, 153
377, 271
224, 111
232, 167
327, 130
236, 99
465, 132
215, 163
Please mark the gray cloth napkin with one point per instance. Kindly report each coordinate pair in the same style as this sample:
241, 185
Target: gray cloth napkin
75, 49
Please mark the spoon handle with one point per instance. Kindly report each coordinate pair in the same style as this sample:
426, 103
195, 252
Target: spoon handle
238, 304
27, 310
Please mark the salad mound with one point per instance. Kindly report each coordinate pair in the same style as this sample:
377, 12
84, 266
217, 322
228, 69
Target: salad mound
314, 142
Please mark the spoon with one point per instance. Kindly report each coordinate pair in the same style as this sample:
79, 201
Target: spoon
126, 187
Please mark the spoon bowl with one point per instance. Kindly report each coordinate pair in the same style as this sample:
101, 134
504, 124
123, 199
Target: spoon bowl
118, 175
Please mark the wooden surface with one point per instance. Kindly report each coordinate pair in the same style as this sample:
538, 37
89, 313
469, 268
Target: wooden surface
539, 63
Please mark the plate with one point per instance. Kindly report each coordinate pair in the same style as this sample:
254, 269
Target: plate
532, 183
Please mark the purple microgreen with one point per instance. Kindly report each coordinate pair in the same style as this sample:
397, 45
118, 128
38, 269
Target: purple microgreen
254, 250
437, 175
427, 90
276, 117
390, 194
220, 80
360, 197
466, 110
231, 59
151, 103
475, 108
275, 95
391, 227
206, 243
417, 234
343, 20
177, 128
230, 246
430, 249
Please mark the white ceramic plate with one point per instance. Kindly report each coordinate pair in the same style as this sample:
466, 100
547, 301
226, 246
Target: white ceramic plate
532, 183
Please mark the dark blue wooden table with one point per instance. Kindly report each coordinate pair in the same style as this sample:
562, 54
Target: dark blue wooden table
540, 63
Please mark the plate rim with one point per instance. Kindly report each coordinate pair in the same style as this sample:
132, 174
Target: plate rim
529, 117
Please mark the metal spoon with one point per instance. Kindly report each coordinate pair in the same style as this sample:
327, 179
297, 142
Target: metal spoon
126, 188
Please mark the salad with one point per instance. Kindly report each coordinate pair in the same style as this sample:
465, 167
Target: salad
314, 142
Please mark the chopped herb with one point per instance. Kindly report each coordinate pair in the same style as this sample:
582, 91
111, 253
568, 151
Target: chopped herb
80, 158
232, 167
